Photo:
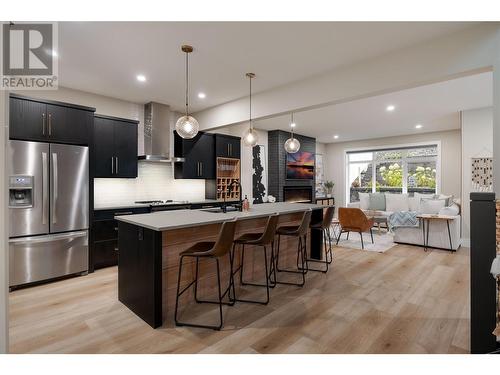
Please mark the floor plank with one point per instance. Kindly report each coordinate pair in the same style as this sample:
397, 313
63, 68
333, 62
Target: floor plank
402, 301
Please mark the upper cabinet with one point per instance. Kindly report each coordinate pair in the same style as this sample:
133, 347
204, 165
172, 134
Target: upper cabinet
227, 146
47, 121
199, 155
115, 147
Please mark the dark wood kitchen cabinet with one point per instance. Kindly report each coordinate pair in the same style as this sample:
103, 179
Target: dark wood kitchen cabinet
227, 146
115, 147
104, 233
199, 155
48, 121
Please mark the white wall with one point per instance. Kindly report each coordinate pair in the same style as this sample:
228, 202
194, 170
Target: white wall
450, 159
4, 255
477, 141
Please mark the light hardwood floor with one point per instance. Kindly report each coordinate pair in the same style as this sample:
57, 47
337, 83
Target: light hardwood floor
402, 301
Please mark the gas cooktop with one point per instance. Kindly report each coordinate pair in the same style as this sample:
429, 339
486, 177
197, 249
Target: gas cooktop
160, 202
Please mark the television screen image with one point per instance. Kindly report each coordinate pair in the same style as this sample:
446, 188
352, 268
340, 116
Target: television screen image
300, 166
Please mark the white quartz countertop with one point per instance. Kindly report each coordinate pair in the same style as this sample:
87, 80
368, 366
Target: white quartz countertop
167, 220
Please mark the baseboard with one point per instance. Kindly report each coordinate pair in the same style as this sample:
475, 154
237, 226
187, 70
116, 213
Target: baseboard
465, 242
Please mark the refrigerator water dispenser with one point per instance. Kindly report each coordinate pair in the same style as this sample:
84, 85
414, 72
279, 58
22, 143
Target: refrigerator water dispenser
20, 191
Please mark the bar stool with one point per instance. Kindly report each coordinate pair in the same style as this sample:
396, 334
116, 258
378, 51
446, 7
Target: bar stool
324, 226
300, 232
263, 240
208, 250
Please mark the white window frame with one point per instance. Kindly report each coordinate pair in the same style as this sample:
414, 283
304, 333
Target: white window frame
347, 187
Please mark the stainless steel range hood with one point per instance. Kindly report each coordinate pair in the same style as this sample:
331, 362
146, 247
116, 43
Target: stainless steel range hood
157, 134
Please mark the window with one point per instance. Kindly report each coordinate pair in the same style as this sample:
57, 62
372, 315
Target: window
403, 170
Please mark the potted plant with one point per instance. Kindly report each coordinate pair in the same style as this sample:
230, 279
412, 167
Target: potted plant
328, 185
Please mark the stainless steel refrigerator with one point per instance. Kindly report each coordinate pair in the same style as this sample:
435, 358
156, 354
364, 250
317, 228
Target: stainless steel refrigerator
48, 211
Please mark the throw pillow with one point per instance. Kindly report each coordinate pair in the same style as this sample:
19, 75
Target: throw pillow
377, 202
424, 196
452, 210
431, 206
414, 204
447, 198
364, 200
396, 202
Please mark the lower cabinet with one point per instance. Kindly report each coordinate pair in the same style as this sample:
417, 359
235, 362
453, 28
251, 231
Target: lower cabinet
104, 232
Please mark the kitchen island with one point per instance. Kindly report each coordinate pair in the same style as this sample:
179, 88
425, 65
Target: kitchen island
150, 244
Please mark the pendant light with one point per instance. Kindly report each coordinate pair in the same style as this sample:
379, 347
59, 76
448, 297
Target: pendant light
187, 126
292, 144
250, 137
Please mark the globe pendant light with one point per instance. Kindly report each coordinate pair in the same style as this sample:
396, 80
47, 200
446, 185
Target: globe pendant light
250, 137
187, 126
292, 145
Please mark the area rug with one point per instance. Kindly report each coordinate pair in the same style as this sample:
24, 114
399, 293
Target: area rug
382, 242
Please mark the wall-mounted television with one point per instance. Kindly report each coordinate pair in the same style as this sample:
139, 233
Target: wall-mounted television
300, 166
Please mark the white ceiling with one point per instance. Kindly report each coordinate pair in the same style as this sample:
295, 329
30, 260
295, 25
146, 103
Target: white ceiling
435, 106
105, 57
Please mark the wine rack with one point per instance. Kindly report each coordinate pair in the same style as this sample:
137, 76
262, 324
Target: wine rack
228, 172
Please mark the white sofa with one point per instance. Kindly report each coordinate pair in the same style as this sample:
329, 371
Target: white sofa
438, 232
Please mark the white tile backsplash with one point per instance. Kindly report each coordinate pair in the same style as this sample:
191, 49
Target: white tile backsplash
154, 181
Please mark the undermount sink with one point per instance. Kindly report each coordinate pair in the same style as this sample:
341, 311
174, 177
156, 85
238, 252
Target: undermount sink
218, 210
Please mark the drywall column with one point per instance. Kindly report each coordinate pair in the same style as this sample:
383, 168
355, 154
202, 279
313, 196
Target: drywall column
4, 260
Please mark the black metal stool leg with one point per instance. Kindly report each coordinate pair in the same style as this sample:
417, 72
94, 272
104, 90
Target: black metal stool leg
299, 271
242, 262
195, 281
220, 295
272, 271
330, 245
325, 261
178, 294
266, 285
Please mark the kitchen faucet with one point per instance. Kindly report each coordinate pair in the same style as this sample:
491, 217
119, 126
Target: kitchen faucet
230, 188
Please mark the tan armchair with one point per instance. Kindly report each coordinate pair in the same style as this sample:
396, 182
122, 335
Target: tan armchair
354, 220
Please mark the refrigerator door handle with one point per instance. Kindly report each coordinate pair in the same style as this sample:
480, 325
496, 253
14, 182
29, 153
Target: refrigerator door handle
51, 238
55, 181
116, 164
112, 165
50, 124
45, 188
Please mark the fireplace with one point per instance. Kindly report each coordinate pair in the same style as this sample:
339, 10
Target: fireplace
297, 194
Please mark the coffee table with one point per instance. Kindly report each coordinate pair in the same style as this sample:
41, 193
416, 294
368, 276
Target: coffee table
426, 221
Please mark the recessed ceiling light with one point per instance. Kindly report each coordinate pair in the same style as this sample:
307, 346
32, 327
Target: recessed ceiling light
54, 53
141, 78
202, 95
292, 124
335, 136
418, 126
390, 108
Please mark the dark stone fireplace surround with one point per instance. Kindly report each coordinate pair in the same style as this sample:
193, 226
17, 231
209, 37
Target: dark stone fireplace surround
277, 181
